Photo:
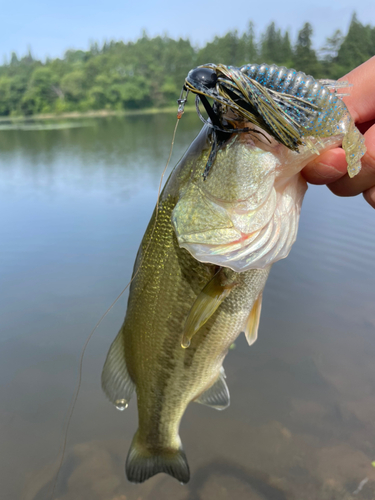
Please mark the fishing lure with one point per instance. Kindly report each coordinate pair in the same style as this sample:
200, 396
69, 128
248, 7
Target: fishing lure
289, 105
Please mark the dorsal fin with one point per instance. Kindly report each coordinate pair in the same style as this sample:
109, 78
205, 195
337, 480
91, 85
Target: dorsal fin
217, 396
252, 324
116, 381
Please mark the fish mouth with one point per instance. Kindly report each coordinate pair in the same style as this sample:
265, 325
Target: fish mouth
229, 112
223, 85
209, 81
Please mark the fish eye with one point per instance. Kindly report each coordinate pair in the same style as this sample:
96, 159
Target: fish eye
203, 76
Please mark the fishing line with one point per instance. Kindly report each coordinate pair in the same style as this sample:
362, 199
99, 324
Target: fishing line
75, 396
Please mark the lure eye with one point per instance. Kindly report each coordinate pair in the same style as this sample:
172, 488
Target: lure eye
203, 77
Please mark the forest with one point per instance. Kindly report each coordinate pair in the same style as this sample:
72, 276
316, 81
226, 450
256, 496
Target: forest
149, 73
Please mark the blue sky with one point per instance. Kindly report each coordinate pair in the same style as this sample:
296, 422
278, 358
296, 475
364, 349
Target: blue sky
50, 28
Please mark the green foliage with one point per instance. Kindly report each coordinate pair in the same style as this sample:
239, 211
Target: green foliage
272, 46
73, 85
41, 92
304, 55
5, 86
151, 72
330, 67
231, 49
358, 45
331, 48
287, 50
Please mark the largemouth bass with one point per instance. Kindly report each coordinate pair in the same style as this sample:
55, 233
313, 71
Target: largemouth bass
229, 210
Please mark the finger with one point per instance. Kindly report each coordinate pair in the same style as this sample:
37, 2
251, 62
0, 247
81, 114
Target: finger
363, 127
369, 196
345, 186
361, 101
326, 168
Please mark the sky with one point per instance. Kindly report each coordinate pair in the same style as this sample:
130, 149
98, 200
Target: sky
50, 28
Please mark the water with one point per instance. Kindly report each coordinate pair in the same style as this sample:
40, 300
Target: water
74, 204
121, 404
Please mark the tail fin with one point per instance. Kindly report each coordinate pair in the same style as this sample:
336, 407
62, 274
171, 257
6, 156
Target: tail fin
143, 463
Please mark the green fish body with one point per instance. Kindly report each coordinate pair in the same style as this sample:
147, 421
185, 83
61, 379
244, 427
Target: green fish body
229, 210
169, 285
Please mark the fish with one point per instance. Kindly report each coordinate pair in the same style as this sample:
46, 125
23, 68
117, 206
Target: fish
229, 210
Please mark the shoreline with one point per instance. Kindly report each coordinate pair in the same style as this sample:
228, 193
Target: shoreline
102, 113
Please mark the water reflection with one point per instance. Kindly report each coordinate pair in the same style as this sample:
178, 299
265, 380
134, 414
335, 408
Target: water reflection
111, 157
74, 204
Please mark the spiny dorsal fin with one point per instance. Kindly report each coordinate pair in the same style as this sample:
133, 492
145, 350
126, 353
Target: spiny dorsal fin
116, 381
252, 324
206, 303
217, 396
143, 463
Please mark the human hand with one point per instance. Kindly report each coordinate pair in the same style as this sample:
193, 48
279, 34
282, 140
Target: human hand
330, 167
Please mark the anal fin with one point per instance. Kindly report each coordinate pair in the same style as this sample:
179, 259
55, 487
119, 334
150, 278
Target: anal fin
116, 381
252, 324
206, 303
217, 396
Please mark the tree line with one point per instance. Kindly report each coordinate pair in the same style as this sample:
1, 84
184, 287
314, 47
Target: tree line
150, 72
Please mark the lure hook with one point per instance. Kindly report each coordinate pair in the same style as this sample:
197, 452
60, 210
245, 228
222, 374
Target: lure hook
182, 101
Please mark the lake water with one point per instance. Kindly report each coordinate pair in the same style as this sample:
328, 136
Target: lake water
74, 203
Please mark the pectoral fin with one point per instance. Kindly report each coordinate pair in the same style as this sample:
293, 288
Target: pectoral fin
217, 396
212, 295
252, 324
116, 381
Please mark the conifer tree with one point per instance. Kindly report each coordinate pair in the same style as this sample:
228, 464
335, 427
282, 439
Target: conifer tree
251, 48
357, 46
272, 45
287, 50
305, 58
